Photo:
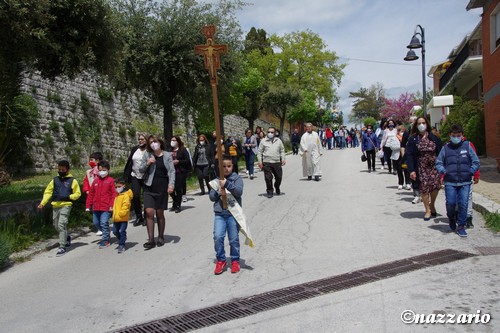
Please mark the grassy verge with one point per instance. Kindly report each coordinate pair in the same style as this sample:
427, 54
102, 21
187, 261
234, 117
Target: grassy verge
492, 221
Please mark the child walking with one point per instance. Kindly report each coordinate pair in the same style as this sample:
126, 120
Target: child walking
458, 162
62, 190
121, 213
90, 175
101, 198
224, 221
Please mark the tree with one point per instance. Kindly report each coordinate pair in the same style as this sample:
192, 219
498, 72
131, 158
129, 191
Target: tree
160, 56
306, 110
256, 39
251, 87
304, 62
279, 99
367, 103
398, 109
55, 37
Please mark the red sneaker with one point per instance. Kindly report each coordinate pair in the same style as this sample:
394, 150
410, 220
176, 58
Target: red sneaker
235, 267
219, 267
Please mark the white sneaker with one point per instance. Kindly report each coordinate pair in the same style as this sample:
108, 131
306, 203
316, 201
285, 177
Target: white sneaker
416, 200
382, 167
98, 233
408, 187
184, 198
400, 187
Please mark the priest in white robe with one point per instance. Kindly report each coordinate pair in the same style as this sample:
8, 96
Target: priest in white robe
311, 151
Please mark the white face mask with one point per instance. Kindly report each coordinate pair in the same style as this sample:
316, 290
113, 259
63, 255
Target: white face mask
155, 145
103, 173
173, 144
119, 189
270, 135
202, 142
422, 127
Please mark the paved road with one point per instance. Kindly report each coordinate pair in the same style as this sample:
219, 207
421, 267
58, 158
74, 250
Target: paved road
348, 221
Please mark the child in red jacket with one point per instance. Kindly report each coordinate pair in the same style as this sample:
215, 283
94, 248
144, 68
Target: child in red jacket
101, 198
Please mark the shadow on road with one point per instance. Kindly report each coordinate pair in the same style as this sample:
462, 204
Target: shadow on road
171, 239
440, 227
413, 215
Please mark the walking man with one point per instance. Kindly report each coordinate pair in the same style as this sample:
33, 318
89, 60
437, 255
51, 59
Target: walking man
295, 141
311, 150
271, 159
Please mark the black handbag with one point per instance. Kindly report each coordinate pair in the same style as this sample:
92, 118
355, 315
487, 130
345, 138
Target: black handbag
363, 158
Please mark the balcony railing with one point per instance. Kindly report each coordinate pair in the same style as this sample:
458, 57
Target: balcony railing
455, 65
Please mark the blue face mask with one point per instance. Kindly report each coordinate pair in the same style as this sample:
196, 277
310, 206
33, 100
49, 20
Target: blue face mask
455, 140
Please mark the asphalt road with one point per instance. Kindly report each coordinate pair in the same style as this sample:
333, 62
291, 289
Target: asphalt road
348, 221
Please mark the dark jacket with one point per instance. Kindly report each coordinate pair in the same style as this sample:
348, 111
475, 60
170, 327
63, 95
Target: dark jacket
209, 154
184, 162
369, 141
458, 163
234, 184
127, 171
412, 150
295, 138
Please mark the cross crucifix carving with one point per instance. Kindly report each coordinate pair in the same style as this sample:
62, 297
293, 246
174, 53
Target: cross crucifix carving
211, 52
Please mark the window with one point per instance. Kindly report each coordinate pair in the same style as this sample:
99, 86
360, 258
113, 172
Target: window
495, 29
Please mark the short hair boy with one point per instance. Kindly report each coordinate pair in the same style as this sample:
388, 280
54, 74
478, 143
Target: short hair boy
101, 199
62, 190
458, 162
224, 221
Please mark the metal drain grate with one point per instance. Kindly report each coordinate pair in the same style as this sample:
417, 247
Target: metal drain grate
488, 250
248, 306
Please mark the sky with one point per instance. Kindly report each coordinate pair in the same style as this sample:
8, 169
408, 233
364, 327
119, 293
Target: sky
370, 35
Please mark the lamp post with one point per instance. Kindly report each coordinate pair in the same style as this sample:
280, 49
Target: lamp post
410, 56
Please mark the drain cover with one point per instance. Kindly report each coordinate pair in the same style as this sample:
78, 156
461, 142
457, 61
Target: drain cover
248, 306
488, 250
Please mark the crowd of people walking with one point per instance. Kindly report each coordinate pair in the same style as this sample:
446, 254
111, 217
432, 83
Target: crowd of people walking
156, 171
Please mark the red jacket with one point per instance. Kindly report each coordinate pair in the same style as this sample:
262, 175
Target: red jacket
102, 194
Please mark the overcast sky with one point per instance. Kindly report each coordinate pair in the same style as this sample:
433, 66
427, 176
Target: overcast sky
373, 31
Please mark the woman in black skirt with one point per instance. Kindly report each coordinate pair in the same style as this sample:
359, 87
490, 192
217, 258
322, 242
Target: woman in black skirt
158, 182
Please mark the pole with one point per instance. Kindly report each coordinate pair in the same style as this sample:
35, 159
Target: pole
424, 92
218, 138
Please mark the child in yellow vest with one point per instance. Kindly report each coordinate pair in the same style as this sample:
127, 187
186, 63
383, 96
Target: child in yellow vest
121, 213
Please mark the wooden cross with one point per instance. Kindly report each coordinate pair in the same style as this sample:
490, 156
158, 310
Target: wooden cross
211, 52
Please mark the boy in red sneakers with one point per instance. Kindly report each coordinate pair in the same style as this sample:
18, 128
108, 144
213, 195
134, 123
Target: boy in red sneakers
101, 198
224, 220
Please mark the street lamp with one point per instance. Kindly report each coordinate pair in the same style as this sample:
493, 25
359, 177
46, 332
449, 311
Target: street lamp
411, 55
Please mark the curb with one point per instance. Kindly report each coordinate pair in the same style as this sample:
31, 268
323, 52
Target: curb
483, 204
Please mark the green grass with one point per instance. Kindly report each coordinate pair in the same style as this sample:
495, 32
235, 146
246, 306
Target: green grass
492, 221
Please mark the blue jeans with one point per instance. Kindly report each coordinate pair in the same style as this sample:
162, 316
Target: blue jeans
457, 196
103, 219
250, 159
223, 222
120, 231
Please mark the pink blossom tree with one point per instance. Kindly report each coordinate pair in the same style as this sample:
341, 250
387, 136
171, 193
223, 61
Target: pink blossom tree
399, 108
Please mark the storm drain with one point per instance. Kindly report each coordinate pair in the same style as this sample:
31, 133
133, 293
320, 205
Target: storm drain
488, 250
251, 305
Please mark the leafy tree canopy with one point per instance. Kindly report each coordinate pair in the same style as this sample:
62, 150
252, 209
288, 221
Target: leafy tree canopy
367, 103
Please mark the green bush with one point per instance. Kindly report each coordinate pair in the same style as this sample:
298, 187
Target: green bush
492, 220
106, 95
470, 114
54, 126
122, 132
5, 250
369, 121
53, 97
69, 130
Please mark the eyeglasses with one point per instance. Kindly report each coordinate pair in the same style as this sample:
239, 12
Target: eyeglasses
152, 141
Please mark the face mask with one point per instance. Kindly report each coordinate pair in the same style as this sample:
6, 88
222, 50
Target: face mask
103, 173
119, 189
202, 142
422, 127
391, 126
173, 144
455, 140
92, 164
62, 174
155, 145
270, 135
369, 130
